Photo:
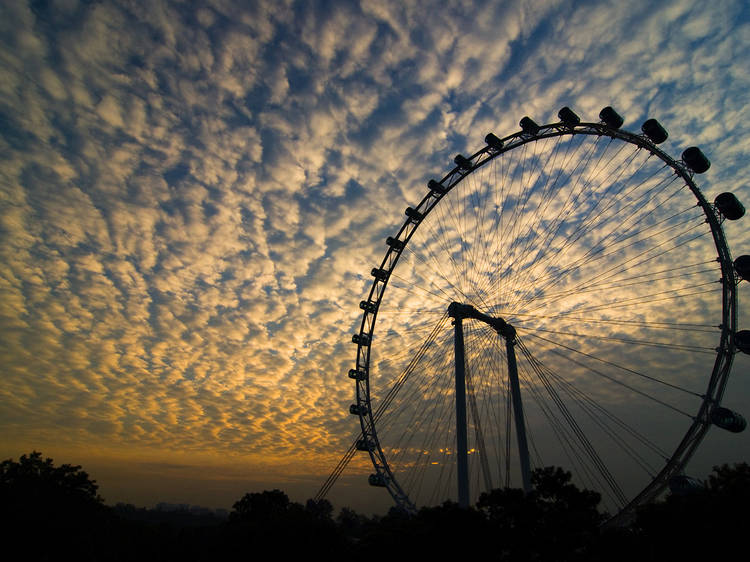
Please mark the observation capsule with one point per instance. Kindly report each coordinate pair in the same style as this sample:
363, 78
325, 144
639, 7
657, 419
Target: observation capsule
363, 339
367, 306
611, 118
568, 117
357, 375
696, 160
729, 206
654, 131
528, 126
413, 214
727, 419
436, 187
493, 142
463, 162
376, 480
379, 274
357, 410
395, 243
742, 267
681, 485
742, 341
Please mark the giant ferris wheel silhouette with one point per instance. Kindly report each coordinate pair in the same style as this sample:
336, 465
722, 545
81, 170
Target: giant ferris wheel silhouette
563, 296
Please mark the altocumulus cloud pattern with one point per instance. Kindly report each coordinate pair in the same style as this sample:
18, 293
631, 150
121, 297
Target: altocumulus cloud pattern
193, 195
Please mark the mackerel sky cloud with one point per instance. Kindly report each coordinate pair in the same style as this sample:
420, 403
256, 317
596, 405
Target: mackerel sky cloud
192, 196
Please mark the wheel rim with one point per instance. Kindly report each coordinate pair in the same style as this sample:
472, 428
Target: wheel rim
600, 249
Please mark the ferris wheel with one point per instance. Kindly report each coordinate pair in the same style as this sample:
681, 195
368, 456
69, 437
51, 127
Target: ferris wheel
563, 296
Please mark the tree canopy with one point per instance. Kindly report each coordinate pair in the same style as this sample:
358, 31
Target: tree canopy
56, 510
50, 511
34, 479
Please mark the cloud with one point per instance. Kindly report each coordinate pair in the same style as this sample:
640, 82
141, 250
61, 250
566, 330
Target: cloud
191, 200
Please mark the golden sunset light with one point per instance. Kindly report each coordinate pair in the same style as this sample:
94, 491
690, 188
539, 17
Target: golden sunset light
195, 198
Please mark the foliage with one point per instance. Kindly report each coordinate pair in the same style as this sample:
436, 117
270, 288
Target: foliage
562, 504
53, 510
703, 523
270, 517
263, 506
57, 511
34, 481
320, 510
731, 480
555, 520
351, 523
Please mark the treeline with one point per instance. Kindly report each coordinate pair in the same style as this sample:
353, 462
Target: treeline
52, 513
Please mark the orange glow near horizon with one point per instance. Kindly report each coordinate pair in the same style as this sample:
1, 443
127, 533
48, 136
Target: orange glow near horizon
192, 200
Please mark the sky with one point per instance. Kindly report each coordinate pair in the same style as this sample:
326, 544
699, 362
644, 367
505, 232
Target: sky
193, 194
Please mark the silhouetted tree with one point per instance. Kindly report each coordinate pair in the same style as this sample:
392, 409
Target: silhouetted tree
568, 517
556, 520
268, 518
35, 479
264, 506
53, 510
563, 501
731, 480
320, 510
508, 507
704, 523
449, 528
351, 523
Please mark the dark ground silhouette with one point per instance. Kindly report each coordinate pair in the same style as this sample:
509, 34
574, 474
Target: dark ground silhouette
54, 513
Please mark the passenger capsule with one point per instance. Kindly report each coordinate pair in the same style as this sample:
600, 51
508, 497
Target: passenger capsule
696, 160
493, 142
611, 118
362, 339
379, 274
568, 117
436, 187
358, 410
742, 267
357, 374
367, 306
727, 419
413, 214
742, 341
681, 485
528, 126
654, 131
463, 162
394, 243
376, 480
729, 206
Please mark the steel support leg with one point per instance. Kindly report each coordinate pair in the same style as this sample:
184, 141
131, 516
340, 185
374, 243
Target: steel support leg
515, 390
461, 439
